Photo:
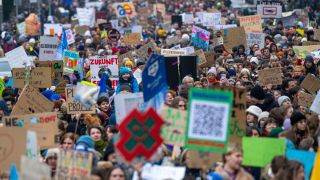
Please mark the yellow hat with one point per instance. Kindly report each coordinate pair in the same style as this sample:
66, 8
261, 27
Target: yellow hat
128, 63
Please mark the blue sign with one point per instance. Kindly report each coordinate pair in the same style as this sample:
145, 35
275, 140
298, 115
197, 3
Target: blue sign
154, 79
305, 157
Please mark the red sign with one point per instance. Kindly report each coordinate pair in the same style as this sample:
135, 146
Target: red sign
114, 35
140, 134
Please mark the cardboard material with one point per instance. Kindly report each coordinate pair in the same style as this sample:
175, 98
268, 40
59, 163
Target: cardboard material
81, 29
44, 124
61, 87
302, 51
173, 132
270, 76
203, 159
13, 143
132, 39
233, 37
305, 99
316, 34
40, 77
31, 101
144, 52
311, 84
251, 23
202, 58
173, 40
56, 70
73, 106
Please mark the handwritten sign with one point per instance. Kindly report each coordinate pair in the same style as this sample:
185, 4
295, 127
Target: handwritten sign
255, 38
48, 48
73, 106
211, 19
203, 159
201, 56
305, 99
173, 132
40, 77
61, 87
270, 76
74, 164
70, 61
311, 83
132, 38
251, 23
31, 101
302, 51
200, 38
124, 9
44, 124
145, 51
56, 70
13, 143
156, 172
233, 37
17, 57
316, 34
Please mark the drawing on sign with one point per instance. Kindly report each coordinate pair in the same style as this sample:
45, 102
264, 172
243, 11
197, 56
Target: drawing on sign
73, 106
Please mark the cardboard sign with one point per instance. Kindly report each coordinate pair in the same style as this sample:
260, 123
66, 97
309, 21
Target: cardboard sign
125, 103
125, 9
270, 76
40, 77
173, 132
269, 10
142, 132
125, 55
251, 23
201, 56
209, 119
255, 38
233, 37
145, 51
44, 124
173, 40
210, 59
81, 29
48, 48
70, 61
61, 87
107, 62
74, 165
211, 19
311, 84
12, 146
33, 169
132, 39
203, 159
73, 106
173, 52
259, 152
316, 34
56, 70
31, 101
17, 57
200, 38
305, 99
304, 157
86, 16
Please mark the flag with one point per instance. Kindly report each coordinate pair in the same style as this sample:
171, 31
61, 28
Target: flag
63, 45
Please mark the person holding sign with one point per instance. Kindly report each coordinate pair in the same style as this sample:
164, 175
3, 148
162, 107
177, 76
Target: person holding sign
126, 79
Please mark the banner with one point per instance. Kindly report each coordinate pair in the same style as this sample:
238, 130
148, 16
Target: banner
75, 107
126, 9
255, 38
40, 77
200, 38
269, 10
48, 48
70, 61
251, 23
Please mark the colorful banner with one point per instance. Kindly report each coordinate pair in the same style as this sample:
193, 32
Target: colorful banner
200, 38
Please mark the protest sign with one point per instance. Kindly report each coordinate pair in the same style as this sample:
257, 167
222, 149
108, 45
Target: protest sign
125, 55
32, 145
40, 77
187, 18
33, 169
269, 10
142, 132
316, 34
125, 103
81, 29
156, 172
109, 63
255, 38
70, 36
210, 59
154, 78
238, 3
316, 168
48, 48
200, 38
74, 165
305, 99
302, 51
52, 29
125, 9
86, 16
61, 87
173, 52
315, 106
145, 51
161, 8
173, 132
203, 159
310, 43
13, 143
209, 118
173, 40
44, 124
233, 37
251, 23
31, 101
201, 56
211, 19
311, 83
73, 106
17, 57
21, 27
132, 39
304, 157
221, 26
259, 152
70, 61
270, 76
56, 70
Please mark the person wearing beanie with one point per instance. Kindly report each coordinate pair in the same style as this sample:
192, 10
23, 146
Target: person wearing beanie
129, 64
51, 159
55, 97
264, 101
262, 119
309, 65
284, 101
299, 130
86, 141
137, 73
126, 78
212, 76
232, 73
253, 113
48, 94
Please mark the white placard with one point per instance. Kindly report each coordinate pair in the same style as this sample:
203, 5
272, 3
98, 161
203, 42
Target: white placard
57, 28
86, 16
70, 36
17, 57
110, 62
315, 106
157, 172
211, 19
269, 11
48, 48
173, 52
255, 38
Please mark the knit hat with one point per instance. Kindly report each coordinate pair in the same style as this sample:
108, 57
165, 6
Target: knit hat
232, 72
212, 70
257, 92
281, 99
88, 41
128, 63
47, 94
55, 97
86, 140
257, 53
255, 110
296, 117
140, 63
280, 53
245, 70
52, 152
125, 87
262, 115
185, 37
254, 60
275, 132
309, 58
124, 70
114, 50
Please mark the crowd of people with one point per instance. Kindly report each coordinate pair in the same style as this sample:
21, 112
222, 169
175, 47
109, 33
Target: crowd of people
272, 110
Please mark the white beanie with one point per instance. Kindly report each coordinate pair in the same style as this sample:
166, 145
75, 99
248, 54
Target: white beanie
185, 37
245, 70
88, 41
281, 99
87, 33
262, 115
212, 70
255, 60
255, 110
32, 41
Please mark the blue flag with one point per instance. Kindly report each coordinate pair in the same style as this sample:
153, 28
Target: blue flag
63, 45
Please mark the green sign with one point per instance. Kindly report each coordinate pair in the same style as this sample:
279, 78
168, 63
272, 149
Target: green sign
70, 61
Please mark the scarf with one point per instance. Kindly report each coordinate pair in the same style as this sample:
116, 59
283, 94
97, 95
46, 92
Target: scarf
100, 145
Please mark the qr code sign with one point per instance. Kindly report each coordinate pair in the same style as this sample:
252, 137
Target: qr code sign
208, 120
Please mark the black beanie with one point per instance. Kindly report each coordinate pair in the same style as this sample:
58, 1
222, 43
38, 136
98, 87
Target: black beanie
257, 92
296, 117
